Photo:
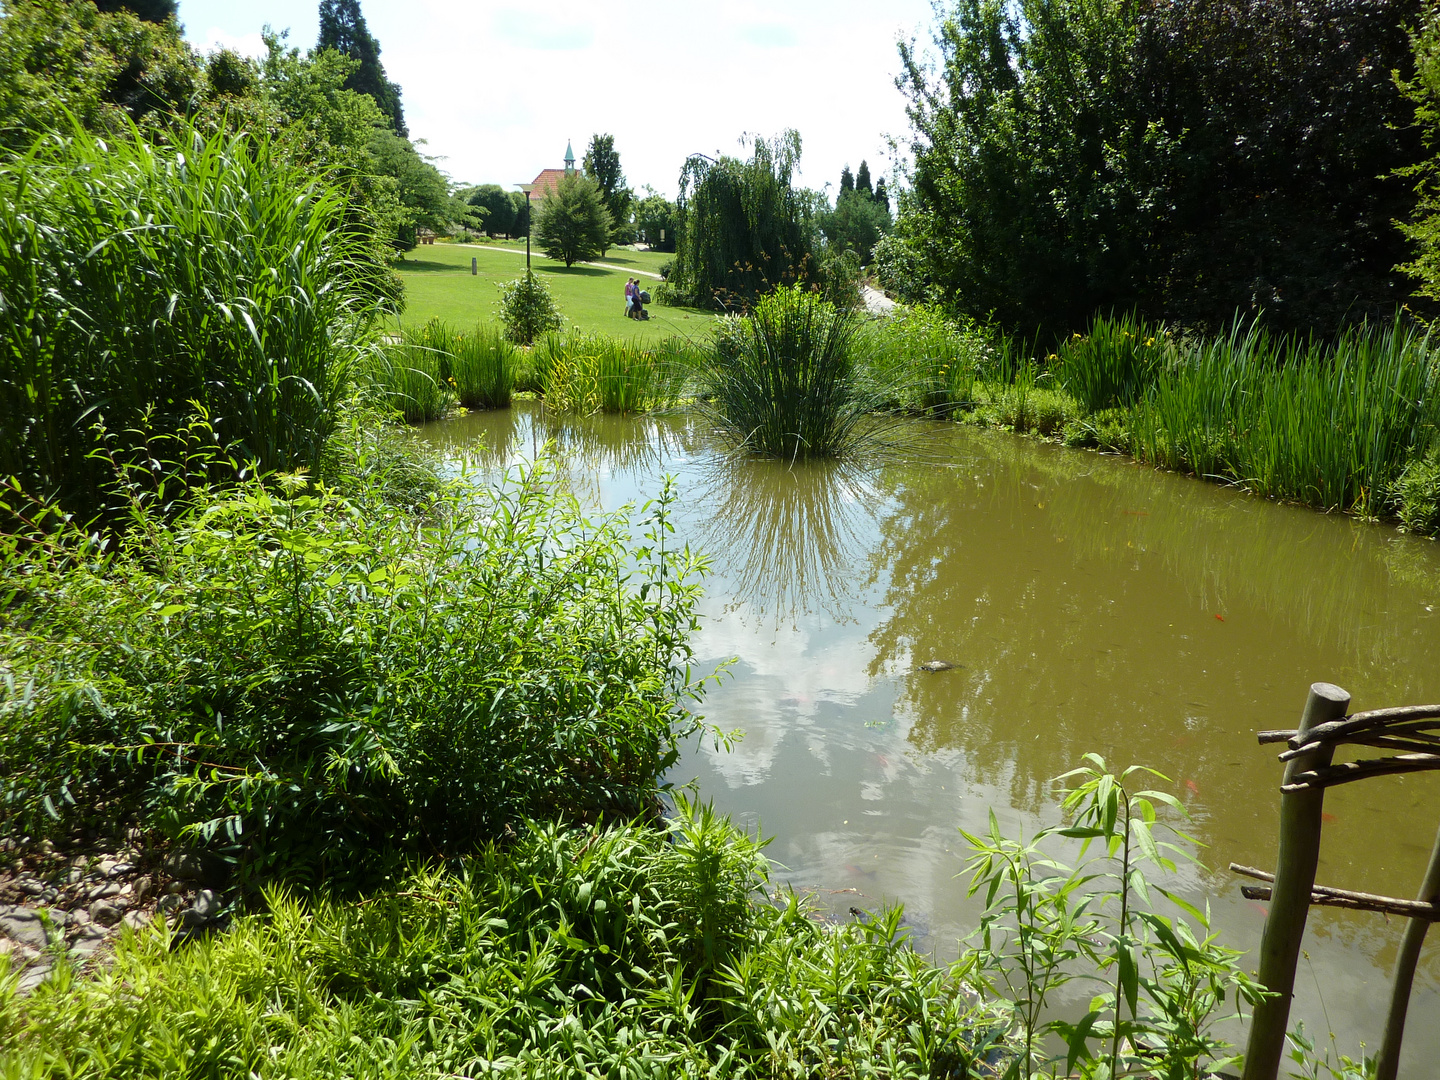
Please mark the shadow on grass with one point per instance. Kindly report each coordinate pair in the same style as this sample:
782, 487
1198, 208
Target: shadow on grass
575, 271
429, 266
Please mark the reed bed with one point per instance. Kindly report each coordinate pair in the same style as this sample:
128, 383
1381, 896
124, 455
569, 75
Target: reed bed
429, 371
1113, 363
592, 373
920, 361
1330, 424
144, 286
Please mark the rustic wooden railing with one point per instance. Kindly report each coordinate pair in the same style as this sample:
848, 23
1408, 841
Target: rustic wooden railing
1309, 770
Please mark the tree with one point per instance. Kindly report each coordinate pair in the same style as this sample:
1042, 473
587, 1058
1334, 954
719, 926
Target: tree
98, 67
656, 220
498, 206
523, 214
1423, 227
862, 180
856, 224
154, 11
882, 198
847, 180
1185, 160
342, 28
745, 231
573, 224
602, 163
422, 189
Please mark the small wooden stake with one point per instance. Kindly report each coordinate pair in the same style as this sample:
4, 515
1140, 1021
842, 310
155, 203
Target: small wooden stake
474, 266
1294, 878
1388, 1063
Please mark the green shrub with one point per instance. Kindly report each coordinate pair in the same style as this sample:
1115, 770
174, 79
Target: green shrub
528, 311
584, 953
791, 390
298, 682
1416, 494
919, 360
145, 285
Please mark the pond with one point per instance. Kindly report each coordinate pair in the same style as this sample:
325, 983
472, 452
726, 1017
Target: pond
1084, 603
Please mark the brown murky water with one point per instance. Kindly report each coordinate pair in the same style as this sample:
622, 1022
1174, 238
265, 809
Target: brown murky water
1086, 604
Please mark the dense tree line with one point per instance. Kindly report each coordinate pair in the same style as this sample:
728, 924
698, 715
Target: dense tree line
1185, 158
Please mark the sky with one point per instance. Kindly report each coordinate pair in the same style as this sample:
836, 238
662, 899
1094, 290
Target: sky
496, 88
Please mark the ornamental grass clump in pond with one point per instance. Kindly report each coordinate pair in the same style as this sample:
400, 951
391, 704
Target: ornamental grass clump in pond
786, 386
1113, 363
144, 285
425, 373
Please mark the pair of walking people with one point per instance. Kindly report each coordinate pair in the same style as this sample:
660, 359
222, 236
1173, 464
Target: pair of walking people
634, 306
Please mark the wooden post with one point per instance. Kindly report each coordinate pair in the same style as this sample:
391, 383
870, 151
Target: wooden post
474, 266
1290, 902
1388, 1063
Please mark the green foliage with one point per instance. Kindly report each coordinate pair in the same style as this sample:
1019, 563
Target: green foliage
422, 191
744, 232
528, 311
586, 953
431, 369
857, 223
156, 11
1423, 91
1162, 980
920, 361
101, 68
602, 164
343, 29
1333, 425
1181, 160
1113, 363
249, 304
1416, 494
594, 373
300, 683
573, 224
654, 215
786, 385
499, 208
409, 378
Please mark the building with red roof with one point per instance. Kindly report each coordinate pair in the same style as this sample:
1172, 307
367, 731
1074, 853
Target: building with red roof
549, 179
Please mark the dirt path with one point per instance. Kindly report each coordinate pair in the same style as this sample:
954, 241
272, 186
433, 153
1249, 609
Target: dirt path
537, 255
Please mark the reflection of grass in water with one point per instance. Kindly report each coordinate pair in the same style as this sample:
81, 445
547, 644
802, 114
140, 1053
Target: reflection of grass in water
790, 534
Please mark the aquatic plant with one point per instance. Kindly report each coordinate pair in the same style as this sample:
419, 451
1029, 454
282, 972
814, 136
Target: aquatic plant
1330, 424
1113, 363
921, 361
142, 285
430, 369
593, 373
791, 389
297, 682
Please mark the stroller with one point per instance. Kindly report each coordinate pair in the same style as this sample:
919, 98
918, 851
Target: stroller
638, 312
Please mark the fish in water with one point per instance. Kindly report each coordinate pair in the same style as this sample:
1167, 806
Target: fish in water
1325, 815
937, 665
1221, 618
1194, 787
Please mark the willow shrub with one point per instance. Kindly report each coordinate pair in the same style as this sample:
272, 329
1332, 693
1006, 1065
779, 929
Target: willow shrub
786, 384
142, 285
623, 952
297, 682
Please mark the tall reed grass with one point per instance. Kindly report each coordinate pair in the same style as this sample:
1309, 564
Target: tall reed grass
593, 373
1330, 424
919, 360
143, 285
428, 371
1113, 363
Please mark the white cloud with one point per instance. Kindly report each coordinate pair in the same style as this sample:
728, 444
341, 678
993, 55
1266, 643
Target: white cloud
497, 89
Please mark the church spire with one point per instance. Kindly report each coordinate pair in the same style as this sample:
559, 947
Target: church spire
569, 158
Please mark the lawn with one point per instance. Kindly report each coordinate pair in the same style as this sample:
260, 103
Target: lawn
438, 284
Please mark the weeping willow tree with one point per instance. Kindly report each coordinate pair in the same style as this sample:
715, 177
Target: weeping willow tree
745, 231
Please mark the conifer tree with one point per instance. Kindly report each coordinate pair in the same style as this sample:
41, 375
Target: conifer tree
881, 195
862, 179
847, 180
342, 28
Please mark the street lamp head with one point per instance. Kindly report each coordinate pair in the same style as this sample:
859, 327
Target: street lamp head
526, 188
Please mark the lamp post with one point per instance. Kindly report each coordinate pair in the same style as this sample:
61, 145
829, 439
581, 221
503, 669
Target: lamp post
527, 189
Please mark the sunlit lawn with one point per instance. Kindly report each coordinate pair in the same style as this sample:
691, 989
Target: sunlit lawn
438, 284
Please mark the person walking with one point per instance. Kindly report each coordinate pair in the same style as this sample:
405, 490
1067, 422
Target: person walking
629, 298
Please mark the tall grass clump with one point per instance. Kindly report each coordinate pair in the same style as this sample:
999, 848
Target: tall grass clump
429, 370
594, 373
297, 682
143, 285
1330, 424
789, 388
1113, 363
